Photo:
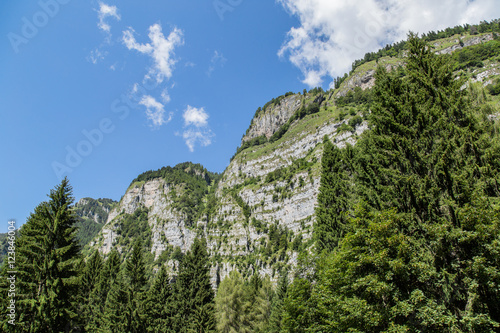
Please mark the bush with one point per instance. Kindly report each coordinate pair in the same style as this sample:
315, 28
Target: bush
494, 89
355, 121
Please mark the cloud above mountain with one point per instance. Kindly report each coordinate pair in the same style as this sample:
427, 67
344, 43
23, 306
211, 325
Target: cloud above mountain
333, 33
196, 127
160, 49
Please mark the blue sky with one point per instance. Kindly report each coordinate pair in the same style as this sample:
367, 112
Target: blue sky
102, 91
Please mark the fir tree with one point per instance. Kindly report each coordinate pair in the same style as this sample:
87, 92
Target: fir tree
97, 301
47, 255
279, 296
158, 305
332, 198
90, 277
194, 301
136, 278
116, 317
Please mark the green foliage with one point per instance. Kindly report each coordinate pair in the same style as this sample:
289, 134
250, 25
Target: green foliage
159, 310
287, 173
87, 230
357, 96
418, 251
390, 50
116, 311
87, 210
194, 297
242, 204
242, 306
46, 262
135, 225
473, 56
332, 198
277, 303
355, 121
260, 140
90, 276
494, 88
94, 314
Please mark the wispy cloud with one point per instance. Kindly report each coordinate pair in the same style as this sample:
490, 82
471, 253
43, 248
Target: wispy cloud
160, 49
333, 33
165, 96
155, 111
196, 127
203, 137
96, 55
104, 12
217, 60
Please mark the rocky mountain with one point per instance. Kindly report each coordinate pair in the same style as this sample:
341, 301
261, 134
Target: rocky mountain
258, 215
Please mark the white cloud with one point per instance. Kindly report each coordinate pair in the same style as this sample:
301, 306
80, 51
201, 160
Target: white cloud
196, 121
217, 60
334, 33
104, 12
160, 49
191, 136
155, 111
195, 116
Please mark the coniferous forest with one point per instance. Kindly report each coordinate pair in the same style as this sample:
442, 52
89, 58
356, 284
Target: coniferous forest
406, 237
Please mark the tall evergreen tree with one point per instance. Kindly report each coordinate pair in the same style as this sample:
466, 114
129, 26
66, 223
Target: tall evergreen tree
89, 281
47, 255
279, 296
116, 317
136, 278
98, 296
194, 301
158, 304
124, 306
332, 198
229, 303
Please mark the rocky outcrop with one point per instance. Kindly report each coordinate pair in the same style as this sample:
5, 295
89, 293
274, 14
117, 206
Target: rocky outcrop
168, 226
268, 121
364, 78
468, 42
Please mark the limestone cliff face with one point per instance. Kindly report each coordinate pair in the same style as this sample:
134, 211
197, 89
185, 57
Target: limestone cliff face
167, 225
269, 120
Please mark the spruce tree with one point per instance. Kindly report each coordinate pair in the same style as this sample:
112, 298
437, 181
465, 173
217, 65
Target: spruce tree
332, 204
136, 278
158, 304
47, 255
97, 301
194, 301
279, 296
89, 281
116, 317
